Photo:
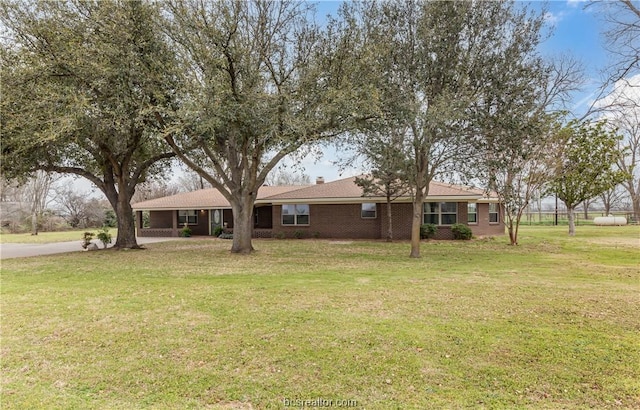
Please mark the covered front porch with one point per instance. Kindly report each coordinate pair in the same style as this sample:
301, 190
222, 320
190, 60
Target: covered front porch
202, 222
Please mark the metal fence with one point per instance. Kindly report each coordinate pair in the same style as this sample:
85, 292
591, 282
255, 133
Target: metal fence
562, 218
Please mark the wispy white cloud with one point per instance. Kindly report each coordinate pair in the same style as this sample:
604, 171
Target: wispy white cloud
626, 90
554, 18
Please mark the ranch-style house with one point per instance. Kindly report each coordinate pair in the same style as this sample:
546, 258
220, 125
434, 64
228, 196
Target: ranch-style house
336, 209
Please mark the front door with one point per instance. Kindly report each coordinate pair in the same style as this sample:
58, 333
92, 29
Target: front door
215, 216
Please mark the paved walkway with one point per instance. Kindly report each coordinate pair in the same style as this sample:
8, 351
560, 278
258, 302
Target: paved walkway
21, 250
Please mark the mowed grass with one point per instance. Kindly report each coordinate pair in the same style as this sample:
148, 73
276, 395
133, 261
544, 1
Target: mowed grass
50, 237
552, 323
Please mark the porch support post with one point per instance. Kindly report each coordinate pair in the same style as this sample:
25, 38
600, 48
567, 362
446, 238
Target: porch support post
138, 222
174, 221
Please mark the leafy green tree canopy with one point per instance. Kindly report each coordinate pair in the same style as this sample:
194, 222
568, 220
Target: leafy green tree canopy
263, 80
437, 64
84, 83
585, 164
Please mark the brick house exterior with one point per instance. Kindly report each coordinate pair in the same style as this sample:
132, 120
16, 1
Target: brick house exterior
326, 210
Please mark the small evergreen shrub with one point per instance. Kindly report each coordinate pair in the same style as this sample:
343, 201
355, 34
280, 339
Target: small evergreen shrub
110, 218
104, 236
279, 235
185, 232
428, 231
461, 231
298, 234
218, 231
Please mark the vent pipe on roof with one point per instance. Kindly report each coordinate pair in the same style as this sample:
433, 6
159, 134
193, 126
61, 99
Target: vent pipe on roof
319, 180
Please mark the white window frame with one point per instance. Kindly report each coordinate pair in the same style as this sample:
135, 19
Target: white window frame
439, 212
297, 214
188, 214
495, 211
475, 212
363, 211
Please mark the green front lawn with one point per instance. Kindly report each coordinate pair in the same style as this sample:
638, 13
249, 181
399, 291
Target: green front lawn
552, 323
51, 237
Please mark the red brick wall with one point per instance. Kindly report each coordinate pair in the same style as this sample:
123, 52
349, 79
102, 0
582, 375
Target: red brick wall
164, 219
401, 214
161, 219
202, 228
157, 233
331, 221
263, 215
344, 221
484, 228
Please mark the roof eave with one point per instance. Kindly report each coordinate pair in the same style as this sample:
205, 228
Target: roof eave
359, 200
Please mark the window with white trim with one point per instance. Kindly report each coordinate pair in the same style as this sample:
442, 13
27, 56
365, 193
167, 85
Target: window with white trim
440, 213
188, 217
494, 213
368, 210
295, 214
472, 213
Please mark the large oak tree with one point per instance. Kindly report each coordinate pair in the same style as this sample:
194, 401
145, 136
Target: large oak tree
84, 83
262, 80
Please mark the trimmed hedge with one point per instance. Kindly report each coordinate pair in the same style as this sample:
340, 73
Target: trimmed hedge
461, 231
428, 231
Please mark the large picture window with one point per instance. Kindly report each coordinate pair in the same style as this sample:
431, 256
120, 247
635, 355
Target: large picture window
472, 213
368, 210
440, 213
494, 213
295, 214
188, 217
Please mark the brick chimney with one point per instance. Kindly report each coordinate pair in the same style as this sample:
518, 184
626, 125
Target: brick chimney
319, 180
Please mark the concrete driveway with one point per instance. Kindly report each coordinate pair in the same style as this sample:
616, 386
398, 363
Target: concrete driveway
22, 250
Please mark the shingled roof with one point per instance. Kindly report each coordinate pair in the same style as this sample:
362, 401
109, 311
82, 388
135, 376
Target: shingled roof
204, 199
347, 189
342, 190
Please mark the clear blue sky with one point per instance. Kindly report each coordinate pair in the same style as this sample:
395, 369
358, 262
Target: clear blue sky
577, 31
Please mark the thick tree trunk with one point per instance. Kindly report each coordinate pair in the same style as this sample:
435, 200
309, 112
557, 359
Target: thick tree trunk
242, 226
572, 222
126, 225
389, 221
415, 224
